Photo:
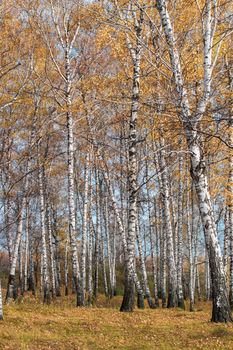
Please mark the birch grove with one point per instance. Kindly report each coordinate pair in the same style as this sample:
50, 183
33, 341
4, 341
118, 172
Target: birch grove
116, 164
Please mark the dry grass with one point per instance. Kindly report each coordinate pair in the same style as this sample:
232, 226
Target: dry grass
31, 325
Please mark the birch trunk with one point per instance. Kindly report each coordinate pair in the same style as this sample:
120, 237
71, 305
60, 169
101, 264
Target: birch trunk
84, 231
20, 264
180, 238
191, 258
207, 277
66, 269
90, 247
11, 287
1, 304
152, 249
230, 211
25, 287
51, 251
97, 237
172, 271
143, 269
71, 190
45, 271
31, 277
221, 308
109, 249
128, 299
226, 240
163, 257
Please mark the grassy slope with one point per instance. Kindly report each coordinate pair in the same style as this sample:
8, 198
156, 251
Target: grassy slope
32, 325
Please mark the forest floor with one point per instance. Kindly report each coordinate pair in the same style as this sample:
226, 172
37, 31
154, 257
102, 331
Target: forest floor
28, 324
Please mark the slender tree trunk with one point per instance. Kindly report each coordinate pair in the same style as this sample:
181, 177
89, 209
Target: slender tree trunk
11, 287
20, 264
207, 277
1, 304
128, 299
163, 257
172, 271
143, 269
109, 249
46, 282
66, 268
84, 230
97, 236
51, 251
190, 250
31, 277
25, 286
71, 191
230, 206
180, 238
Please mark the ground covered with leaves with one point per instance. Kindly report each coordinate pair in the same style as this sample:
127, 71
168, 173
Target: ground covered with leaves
28, 324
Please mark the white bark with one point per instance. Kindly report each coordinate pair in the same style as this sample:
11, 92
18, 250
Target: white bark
1, 304
165, 193
26, 249
221, 309
84, 230
180, 237
46, 282
51, 251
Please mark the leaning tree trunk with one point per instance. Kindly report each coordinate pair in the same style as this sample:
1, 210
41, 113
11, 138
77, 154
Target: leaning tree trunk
221, 308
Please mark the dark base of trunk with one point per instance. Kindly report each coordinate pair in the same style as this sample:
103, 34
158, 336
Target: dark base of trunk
47, 295
231, 300
31, 285
80, 297
12, 290
89, 300
172, 300
221, 314
1, 317
156, 302
181, 304
58, 293
128, 299
150, 302
113, 293
140, 301
164, 299
191, 306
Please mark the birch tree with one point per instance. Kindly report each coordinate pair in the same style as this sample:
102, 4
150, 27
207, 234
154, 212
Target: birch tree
191, 121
